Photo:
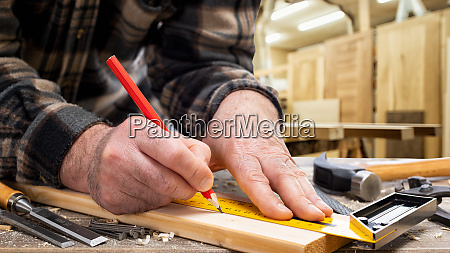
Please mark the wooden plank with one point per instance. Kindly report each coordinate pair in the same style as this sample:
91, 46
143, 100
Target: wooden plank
445, 80
323, 110
364, 15
408, 73
320, 131
379, 131
212, 227
349, 75
306, 72
419, 129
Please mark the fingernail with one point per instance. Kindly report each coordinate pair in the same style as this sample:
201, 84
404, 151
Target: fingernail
283, 207
314, 209
206, 184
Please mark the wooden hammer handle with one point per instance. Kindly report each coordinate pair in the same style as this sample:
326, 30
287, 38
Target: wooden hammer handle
5, 195
426, 168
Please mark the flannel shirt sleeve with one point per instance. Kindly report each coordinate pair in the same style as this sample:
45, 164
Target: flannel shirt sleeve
37, 126
203, 54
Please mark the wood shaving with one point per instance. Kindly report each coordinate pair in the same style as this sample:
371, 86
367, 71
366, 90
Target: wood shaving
54, 209
438, 235
444, 228
165, 237
413, 237
144, 242
5, 228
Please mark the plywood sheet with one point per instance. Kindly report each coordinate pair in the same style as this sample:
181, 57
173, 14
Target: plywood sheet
349, 75
408, 73
229, 231
306, 75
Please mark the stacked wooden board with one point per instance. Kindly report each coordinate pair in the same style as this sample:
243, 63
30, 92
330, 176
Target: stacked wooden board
348, 75
408, 73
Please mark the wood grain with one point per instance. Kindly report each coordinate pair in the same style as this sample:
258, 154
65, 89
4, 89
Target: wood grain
212, 227
400, 170
408, 73
306, 75
349, 68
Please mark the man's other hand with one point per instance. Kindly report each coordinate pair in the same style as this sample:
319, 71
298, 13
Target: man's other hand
262, 165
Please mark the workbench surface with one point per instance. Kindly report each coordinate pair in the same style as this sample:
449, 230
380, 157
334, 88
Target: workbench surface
424, 237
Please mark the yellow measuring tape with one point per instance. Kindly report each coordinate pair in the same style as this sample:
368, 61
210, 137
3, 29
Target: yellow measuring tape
338, 227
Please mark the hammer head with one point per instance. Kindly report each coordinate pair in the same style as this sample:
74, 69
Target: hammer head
341, 178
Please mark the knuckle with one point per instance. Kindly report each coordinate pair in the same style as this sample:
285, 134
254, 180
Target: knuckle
284, 175
257, 177
111, 154
299, 173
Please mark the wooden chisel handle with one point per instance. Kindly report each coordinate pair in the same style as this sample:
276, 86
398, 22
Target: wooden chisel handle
6, 194
426, 168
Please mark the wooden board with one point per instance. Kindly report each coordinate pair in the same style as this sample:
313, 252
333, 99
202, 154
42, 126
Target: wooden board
379, 131
408, 73
320, 131
212, 227
349, 75
306, 75
445, 81
320, 111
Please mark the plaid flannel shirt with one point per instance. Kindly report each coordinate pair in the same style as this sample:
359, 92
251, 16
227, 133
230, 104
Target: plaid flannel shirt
54, 82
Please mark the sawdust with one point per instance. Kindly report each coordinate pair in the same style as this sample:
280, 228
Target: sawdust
438, 235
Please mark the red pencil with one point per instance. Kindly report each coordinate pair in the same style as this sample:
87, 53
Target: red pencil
148, 110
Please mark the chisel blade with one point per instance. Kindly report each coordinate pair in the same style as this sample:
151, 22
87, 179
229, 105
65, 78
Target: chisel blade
35, 230
67, 227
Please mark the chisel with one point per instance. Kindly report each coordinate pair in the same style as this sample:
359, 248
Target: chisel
33, 229
18, 203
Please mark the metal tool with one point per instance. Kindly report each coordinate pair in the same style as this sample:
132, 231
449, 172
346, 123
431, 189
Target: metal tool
340, 178
18, 203
35, 230
130, 230
391, 216
421, 186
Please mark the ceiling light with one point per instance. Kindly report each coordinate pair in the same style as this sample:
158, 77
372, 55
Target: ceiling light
273, 37
383, 1
288, 10
321, 21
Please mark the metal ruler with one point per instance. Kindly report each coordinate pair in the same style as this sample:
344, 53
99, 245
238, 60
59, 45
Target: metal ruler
333, 226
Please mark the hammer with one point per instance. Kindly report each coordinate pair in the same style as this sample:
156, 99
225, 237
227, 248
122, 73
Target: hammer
340, 178
364, 182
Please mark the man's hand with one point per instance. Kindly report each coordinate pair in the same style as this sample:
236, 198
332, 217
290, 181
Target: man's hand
261, 165
130, 175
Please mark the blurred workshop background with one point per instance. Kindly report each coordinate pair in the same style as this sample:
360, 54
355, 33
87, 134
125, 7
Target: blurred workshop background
371, 74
